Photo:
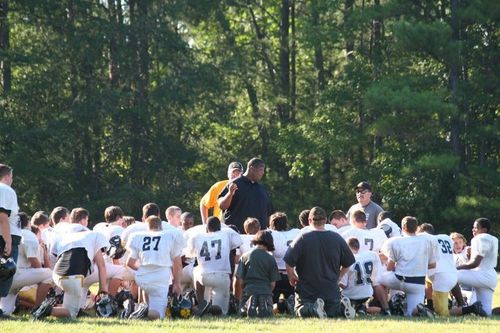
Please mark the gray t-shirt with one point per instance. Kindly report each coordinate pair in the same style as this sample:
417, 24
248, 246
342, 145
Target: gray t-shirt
258, 269
371, 210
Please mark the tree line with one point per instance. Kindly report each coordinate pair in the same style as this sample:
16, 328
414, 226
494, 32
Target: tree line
129, 101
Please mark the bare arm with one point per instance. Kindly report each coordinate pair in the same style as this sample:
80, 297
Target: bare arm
46, 259
34, 262
101, 267
472, 263
177, 275
391, 265
225, 201
293, 279
133, 263
203, 212
5, 232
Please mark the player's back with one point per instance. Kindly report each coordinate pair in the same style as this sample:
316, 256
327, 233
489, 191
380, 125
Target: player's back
369, 240
246, 244
29, 248
154, 248
412, 254
361, 275
212, 249
445, 262
90, 240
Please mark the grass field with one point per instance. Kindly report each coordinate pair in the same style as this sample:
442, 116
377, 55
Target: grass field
469, 324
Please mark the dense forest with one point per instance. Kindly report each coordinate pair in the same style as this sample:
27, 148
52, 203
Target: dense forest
129, 101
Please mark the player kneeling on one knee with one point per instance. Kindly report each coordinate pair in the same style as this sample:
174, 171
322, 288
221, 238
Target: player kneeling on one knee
258, 273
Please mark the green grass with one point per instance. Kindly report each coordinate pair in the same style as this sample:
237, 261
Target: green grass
469, 324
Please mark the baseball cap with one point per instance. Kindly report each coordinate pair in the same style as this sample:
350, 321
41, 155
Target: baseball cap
364, 186
235, 165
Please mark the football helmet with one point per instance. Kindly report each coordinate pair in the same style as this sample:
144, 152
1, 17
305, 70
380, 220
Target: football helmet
105, 306
7, 268
122, 296
397, 304
182, 307
116, 249
387, 229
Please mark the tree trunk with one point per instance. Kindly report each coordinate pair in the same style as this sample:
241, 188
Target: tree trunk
113, 44
283, 106
5, 45
140, 86
293, 92
454, 68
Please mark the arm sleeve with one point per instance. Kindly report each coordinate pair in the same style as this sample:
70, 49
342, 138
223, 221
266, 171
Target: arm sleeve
480, 245
235, 239
134, 253
241, 272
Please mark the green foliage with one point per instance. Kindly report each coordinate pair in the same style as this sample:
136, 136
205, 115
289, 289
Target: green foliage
112, 104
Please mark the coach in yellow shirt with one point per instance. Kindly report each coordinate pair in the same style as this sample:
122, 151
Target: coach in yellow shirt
209, 200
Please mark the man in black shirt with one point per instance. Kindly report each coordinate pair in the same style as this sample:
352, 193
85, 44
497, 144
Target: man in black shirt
245, 197
320, 258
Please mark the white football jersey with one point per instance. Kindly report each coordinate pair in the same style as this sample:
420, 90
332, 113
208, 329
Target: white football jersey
212, 250
358, 280
412, 254
29, 248
281, 242
8, 201
66, 227
140, 227
109, 230
45, 234
90, 240
460, 258
486, 246
246, 244
290, 235
154, 248
60, 231
390, 228
99, 227
445, 262
344, 229
369, 240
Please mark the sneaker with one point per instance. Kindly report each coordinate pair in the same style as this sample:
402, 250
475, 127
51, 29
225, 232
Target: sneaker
141, 312
425, 312
264, 309
128, 308
477, 308
252, 306
44, 309
349, 311
203, 308
319, 307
